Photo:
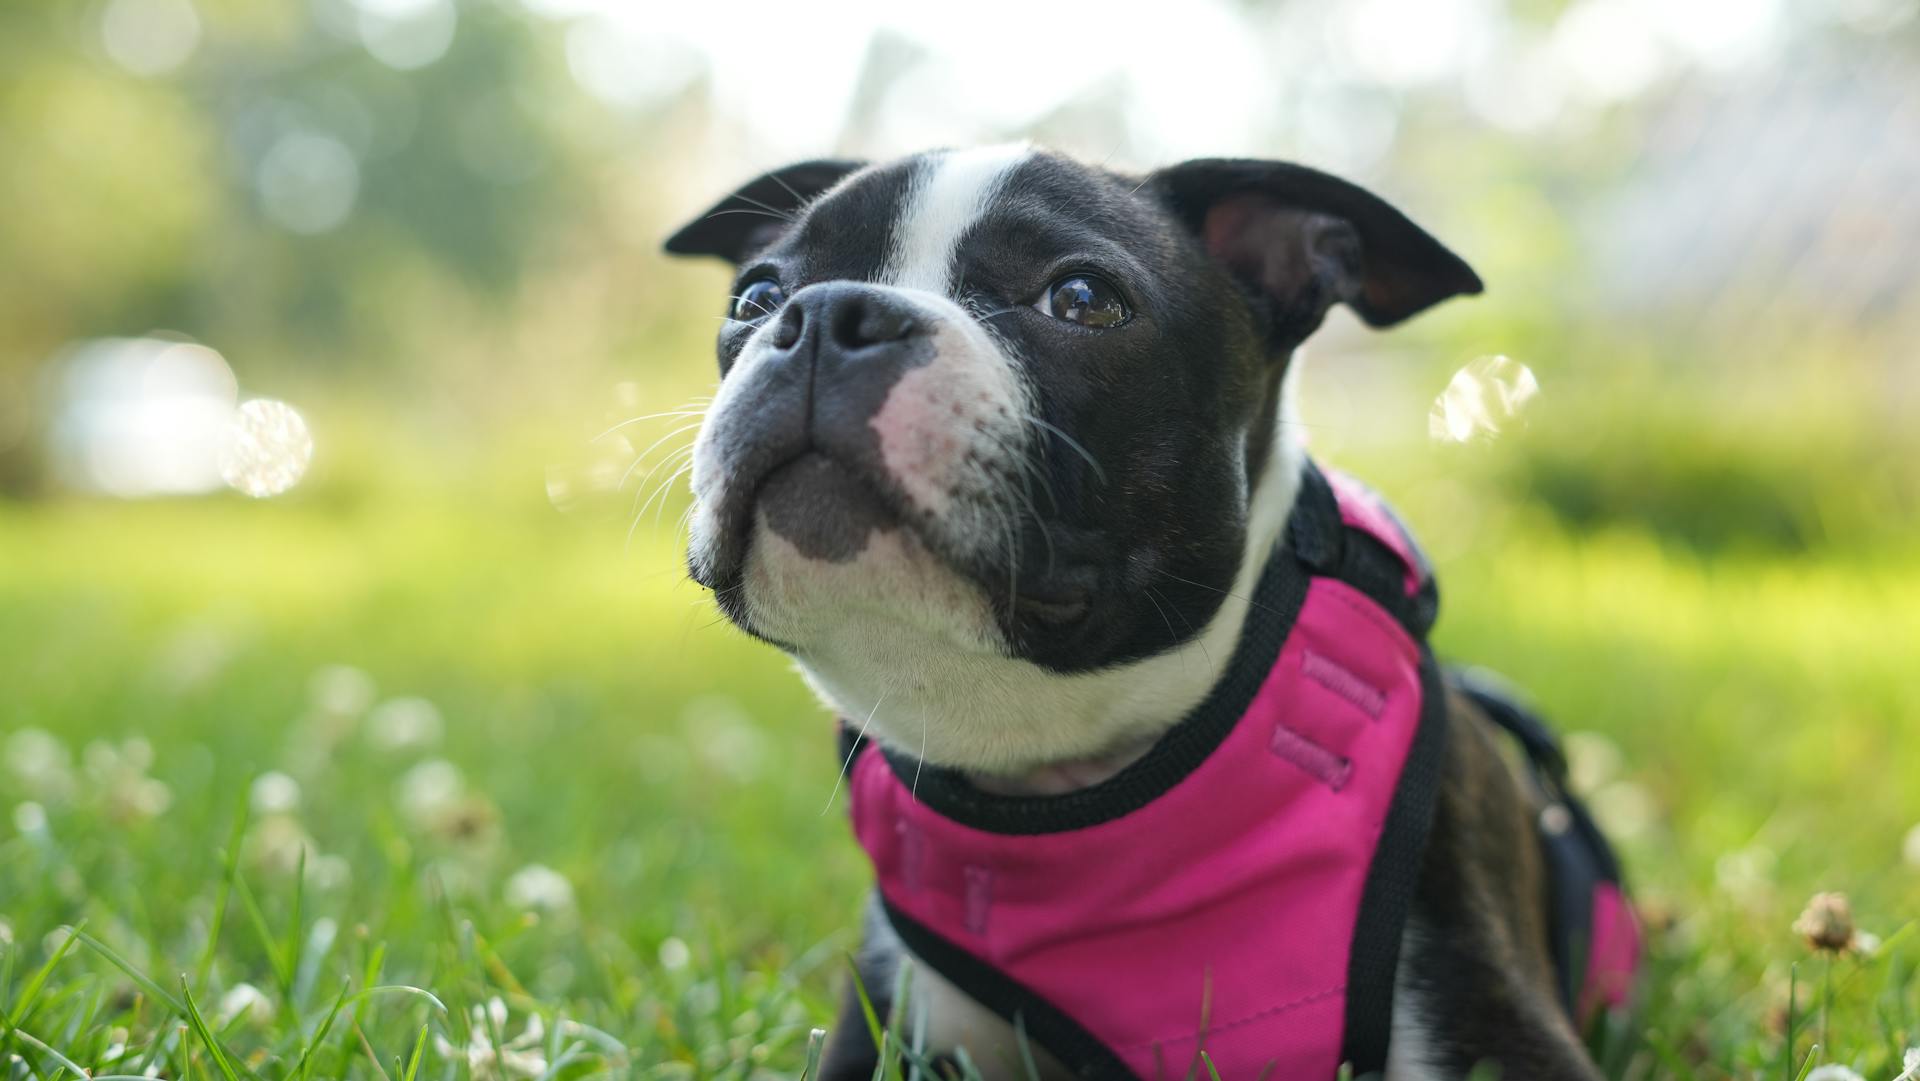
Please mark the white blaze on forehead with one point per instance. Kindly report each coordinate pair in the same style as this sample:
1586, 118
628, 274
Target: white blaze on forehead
949, 193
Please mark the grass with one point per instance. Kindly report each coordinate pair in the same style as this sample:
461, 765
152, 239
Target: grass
394, 785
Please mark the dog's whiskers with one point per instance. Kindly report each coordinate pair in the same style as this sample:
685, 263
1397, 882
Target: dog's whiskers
642, 456
1195, 636
1217, 589
921, 762
1071, 442
784, 215
855, 749
799, 201
663, 486
685, 409
659, 492
1029, 470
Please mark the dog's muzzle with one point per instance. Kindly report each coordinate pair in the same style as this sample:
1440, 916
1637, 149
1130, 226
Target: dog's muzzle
853, 411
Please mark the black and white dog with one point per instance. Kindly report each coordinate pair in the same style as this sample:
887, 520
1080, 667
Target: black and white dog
1002, 446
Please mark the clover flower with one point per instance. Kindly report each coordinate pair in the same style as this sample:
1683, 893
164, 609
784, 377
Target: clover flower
520, 1056
537, 887
1827, 923
403, 724
244, 999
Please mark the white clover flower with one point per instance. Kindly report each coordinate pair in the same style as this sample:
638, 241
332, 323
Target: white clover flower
244, 999
431, 789
274, 793
341, 690
402, 724
101, 761
1833, 1072
1746, 874
29, 817
518, 1057
540, 888
328, 872
6, 934
118, 773
1911, 1066
434, 798
137, 753
41, 763
53, 941
277, 844
147, 798
674, 954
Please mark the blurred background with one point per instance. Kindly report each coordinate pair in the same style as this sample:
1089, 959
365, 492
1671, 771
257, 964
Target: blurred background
326, 325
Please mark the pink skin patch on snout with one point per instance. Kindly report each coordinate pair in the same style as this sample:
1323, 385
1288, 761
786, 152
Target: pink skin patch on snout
929, 426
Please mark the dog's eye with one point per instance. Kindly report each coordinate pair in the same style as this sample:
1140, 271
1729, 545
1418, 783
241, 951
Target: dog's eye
758, 300
1086, 300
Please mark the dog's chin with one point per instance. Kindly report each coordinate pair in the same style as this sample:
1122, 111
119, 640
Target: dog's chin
816, 541
823, 509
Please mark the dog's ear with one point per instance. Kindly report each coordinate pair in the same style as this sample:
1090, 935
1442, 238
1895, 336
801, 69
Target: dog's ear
1302, 241
759, 211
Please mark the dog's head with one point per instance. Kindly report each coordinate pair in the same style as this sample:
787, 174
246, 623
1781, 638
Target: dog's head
996, 449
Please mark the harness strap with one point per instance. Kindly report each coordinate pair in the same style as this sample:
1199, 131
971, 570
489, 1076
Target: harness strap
1351, 555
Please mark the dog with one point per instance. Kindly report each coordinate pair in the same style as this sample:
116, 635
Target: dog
1140, 727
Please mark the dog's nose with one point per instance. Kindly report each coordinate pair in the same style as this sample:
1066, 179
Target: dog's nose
845, 322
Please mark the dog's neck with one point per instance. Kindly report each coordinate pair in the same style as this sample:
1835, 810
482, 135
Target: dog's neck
1043, 733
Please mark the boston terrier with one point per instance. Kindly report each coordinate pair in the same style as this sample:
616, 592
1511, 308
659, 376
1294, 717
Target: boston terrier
1140, 727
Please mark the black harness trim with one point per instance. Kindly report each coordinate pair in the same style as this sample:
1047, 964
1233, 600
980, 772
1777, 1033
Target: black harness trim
1275, 607
1373, 962
1048, 1025
1362, 561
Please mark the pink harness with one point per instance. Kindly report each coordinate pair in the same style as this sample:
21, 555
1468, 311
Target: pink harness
1243, 887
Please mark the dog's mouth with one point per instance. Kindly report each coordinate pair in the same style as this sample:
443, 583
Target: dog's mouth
827, 509
821, 507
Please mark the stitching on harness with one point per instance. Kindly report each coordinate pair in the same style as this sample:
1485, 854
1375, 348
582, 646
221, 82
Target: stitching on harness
1323, 765
979, 898
1341, 680
1303, 1000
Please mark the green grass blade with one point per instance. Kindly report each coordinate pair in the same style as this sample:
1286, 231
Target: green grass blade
874, 1028
14, 1032
39, 981
200, 1029
230, 870
419, 1050
1793, 1005
816, 1045
1813, 1057
1026, 1047
269, 943
305, 1064
401, 989
140, 978
293, 946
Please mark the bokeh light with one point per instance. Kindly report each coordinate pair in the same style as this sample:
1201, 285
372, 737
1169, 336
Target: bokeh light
150, 37
1483, 399
269, 450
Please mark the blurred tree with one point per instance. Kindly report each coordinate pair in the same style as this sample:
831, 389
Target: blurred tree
281, 192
